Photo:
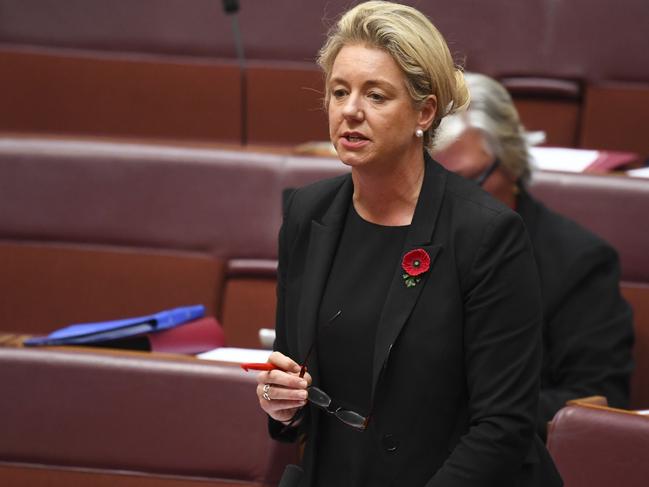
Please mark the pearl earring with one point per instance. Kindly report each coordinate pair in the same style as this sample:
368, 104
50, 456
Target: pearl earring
419, 133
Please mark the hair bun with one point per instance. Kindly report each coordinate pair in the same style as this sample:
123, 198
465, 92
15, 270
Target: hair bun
461, 96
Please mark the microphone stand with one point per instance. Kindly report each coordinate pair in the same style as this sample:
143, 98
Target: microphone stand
231, 8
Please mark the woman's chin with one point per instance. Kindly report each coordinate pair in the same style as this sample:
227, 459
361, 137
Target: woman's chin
351, 158
352, 161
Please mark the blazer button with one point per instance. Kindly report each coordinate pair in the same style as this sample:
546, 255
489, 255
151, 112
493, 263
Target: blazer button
390, 443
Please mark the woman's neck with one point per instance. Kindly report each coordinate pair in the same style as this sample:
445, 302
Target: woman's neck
389, 197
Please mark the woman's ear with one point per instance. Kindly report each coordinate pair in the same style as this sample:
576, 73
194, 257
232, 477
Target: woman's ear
427, 112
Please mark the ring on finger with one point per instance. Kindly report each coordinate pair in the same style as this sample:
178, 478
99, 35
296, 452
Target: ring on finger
265, 395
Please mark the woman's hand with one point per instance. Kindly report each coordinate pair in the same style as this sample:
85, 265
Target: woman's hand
282, 392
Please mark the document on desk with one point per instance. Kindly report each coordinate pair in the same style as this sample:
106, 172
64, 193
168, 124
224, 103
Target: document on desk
642, 172
236, 355
560, 159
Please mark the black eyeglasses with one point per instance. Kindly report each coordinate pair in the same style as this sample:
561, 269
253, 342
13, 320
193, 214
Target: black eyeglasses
482, 178
350, 418
321, 399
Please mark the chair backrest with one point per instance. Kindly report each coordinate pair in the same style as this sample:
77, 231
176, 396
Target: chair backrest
609, 206
595, 446
153, 416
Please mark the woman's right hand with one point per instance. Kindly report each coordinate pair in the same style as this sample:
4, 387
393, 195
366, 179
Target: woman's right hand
285, 391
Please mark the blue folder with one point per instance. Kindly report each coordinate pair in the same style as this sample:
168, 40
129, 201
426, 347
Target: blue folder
88, 333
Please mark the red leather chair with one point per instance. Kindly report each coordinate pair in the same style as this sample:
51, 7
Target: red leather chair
597, 446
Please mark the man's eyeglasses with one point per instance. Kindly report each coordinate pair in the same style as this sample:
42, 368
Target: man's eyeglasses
482, 178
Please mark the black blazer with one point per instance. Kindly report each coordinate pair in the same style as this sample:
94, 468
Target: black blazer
457, 357
588, 327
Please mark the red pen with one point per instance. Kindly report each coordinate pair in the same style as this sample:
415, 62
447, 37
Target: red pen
258, 366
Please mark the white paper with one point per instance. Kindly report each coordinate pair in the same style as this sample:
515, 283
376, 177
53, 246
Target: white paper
642, 172
559, 159
236, 355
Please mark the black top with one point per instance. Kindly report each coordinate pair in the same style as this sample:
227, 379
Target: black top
347, 322
458, 355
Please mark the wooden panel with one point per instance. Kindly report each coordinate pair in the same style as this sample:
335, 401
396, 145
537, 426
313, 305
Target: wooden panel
248, 305
47, 286
285, 105
559, 119
158, 97
615, 118
638, 297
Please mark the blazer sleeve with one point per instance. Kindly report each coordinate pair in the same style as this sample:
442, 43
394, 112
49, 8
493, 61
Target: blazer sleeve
589, 336
277, 430
502, 358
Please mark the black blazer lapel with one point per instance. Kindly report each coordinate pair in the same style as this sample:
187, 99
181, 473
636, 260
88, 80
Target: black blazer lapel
323, 242
401, 299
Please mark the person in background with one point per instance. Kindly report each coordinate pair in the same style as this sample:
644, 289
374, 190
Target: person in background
408, 330
587, 327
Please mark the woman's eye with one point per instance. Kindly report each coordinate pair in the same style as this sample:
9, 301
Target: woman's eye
376, 96
338, 93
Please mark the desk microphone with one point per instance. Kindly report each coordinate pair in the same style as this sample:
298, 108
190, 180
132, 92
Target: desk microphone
291, 476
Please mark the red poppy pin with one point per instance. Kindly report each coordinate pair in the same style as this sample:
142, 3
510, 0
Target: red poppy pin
415, 263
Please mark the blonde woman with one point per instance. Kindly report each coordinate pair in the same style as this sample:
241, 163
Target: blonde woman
408, 324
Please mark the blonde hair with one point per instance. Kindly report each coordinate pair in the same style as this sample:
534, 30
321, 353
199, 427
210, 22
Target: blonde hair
493, 113
413, 42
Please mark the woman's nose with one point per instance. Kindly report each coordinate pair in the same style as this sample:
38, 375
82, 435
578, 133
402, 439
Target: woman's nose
352, 109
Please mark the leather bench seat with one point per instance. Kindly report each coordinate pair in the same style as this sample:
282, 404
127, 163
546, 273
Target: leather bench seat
597, 446
130, 415
178, 77
114, 192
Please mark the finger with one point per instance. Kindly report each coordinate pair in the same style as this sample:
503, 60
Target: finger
283, 362
283, 379
272, 405
262, 377
278, 393
309, 380
291, 381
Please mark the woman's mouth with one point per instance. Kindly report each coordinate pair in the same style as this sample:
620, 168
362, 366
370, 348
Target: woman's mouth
354, 136
353, 140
